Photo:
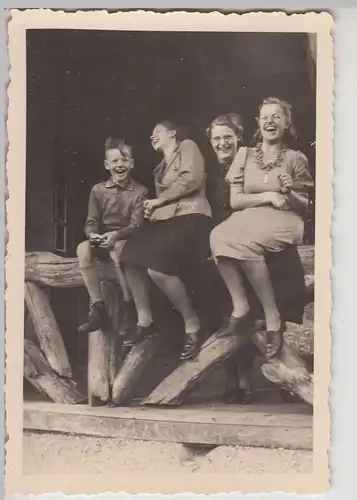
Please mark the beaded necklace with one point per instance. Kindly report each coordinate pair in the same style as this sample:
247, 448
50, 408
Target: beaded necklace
259, 159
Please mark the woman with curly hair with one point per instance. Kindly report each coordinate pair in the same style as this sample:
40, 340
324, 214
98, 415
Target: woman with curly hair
268, 196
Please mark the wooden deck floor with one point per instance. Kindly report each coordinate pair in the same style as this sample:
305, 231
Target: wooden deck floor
269, 425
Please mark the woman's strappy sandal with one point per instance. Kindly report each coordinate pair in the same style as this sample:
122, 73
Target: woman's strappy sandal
274, 341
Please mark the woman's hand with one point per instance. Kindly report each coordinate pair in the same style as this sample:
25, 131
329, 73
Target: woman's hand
286, 182
278, 200
150, 205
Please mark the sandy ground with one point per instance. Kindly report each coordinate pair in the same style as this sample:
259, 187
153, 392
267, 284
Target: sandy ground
64, 454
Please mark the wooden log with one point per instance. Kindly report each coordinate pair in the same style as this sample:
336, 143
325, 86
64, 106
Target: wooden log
52, 270
287, 370
103, 350
30, 332
39, 373
174, 388
46, 328
132, 368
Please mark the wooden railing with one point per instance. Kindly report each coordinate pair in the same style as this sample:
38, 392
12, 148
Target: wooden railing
113, 376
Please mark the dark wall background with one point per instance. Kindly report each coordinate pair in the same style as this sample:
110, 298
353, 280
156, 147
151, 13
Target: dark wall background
85, 85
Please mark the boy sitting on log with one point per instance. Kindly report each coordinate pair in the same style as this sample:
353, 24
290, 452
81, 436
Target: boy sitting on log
115, 210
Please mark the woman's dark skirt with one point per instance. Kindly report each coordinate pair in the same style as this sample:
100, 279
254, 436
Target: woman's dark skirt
172, 246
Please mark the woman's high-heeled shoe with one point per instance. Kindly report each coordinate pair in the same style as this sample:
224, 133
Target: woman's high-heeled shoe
274, 341
192, 346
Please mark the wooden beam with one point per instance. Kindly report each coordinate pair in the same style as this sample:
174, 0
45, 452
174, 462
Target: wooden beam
132, 368
52, 270
104, 355
270, 426
46, 328
39, 373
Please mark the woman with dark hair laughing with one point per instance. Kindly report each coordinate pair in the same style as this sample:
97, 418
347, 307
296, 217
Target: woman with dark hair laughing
176, 237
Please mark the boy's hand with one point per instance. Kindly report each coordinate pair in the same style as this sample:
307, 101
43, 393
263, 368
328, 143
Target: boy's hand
95, 239
108, 240
94, 236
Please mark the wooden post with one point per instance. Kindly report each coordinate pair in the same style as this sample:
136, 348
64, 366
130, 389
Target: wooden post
46, 328
133, 367
39, 373
103, 350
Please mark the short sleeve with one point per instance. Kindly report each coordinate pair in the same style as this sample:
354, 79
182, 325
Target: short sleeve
301, 171
235, 174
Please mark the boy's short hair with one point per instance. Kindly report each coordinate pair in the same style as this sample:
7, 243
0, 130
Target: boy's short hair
120, 144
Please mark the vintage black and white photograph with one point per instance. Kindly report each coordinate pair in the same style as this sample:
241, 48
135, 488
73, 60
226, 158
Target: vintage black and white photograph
170, 232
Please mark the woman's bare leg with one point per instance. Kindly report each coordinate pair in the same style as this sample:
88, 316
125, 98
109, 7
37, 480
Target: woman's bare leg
139, 284
258, 275
231, 275
177, 293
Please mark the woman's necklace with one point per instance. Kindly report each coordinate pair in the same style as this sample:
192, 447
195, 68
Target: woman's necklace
259, 159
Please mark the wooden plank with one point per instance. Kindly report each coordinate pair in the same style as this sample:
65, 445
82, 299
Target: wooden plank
39, 373
242, 428
46, 328
265, 414
132, 368
104, 355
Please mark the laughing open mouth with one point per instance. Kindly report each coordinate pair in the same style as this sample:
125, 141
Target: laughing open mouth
270, 128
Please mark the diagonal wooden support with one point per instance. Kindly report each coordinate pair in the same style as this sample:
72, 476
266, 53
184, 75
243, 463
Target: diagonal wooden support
46, 328
39, 373
132, 368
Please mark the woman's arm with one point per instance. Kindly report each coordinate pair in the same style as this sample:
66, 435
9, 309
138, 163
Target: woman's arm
297, 186
298, 201
240, 200
190, 177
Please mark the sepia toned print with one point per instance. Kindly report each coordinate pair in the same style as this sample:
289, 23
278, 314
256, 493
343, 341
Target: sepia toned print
170, 191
